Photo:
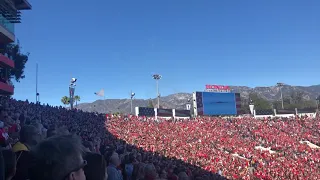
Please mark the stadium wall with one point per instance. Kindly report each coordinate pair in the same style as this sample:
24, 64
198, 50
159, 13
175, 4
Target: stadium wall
283, 113
167, 113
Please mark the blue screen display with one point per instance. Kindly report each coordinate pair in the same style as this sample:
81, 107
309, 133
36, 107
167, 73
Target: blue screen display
219, 103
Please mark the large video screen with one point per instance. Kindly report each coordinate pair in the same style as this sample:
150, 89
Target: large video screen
212, 103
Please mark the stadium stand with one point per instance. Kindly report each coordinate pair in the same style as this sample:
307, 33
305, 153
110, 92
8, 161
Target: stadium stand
140, 148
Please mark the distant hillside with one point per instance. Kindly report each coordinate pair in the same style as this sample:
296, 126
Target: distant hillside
179, 100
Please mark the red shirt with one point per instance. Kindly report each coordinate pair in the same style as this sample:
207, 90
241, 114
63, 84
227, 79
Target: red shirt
2, 138
12, 129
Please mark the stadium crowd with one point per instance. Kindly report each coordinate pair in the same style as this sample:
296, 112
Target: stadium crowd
53, 143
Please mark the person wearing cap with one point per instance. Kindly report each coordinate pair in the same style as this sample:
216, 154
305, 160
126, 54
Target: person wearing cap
29, 137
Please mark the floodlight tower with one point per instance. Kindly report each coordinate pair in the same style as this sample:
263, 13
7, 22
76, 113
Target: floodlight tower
280, 85
132, 96
188, 105
251, 106
157, 77
72, 88
318, 100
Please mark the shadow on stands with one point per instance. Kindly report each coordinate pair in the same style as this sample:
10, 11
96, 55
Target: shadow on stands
38, 122
166, 167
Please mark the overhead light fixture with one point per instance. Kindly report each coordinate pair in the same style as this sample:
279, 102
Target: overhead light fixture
73, 80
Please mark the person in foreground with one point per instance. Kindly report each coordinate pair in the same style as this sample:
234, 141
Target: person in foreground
58, 158
113, 172
30, 136
10, 163
96, 168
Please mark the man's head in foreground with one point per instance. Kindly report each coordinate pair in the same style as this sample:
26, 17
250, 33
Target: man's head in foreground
58, 158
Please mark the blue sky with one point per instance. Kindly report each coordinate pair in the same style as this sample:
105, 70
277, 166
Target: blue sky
117, 45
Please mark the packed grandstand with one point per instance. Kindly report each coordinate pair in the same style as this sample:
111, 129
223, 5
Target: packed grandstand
45, 138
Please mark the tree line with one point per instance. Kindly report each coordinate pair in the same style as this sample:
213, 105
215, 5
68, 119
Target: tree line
291, 101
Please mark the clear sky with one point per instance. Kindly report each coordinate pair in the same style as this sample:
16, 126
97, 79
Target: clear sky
118, 44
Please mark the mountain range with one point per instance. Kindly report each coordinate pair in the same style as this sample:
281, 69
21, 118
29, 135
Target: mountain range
179, 100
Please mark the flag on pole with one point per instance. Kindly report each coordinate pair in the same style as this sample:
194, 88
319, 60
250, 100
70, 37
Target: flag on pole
100, 93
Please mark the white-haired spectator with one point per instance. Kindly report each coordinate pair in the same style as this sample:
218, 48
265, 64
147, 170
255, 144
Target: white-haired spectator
113, 172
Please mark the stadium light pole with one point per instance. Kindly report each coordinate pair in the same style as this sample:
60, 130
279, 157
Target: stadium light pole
157, 77
132, 96
37, 94
317, 100
188, 103
72, 88
280, 85
251, 106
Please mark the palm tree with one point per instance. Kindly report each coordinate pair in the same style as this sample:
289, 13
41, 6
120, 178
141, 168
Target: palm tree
65, 100
77, 99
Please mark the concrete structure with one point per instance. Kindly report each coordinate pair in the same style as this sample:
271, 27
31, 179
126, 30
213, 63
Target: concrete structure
9, 15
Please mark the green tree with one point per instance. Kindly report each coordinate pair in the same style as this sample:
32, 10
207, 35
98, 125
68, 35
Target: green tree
65, 100
77, 99
309, 104
20, 59
150, 105
259, 103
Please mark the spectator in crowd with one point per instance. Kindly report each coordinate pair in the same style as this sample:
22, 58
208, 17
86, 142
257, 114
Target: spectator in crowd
59, 157
88, 146
4, 136
51, 132
9, 163
150, 172
138, 171
2, 166
113, 172
41, 129
3, 114
128, 166
183, 176
96, 167
22, 119
29, 137
63, 131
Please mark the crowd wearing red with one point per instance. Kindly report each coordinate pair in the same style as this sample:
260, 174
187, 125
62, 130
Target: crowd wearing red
229, 146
